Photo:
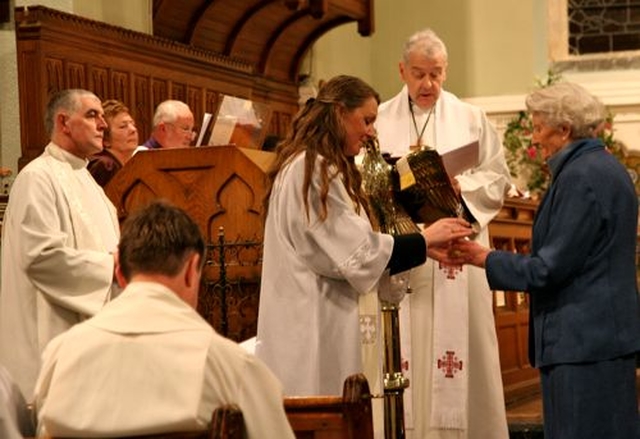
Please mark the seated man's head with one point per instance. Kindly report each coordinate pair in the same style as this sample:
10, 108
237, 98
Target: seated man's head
173, 125
161, 243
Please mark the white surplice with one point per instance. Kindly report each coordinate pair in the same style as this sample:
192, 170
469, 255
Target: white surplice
452, 124
58, 231
148, 363
313, 276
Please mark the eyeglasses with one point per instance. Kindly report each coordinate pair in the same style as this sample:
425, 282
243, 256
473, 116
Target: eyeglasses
185, 130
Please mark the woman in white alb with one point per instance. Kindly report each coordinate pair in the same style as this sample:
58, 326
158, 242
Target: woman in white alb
320, 251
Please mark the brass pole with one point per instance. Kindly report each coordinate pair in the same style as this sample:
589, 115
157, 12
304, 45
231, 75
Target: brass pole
394, 380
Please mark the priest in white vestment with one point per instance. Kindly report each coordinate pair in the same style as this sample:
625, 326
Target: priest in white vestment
58, 236
321, 255
148, 363
447, 325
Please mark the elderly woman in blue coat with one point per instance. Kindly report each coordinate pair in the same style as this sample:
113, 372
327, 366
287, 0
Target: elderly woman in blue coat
584, 327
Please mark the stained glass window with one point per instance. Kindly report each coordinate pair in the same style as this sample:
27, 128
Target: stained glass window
601, 26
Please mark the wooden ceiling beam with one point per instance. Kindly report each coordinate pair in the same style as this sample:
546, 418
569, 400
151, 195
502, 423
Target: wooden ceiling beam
241, 23
272, 35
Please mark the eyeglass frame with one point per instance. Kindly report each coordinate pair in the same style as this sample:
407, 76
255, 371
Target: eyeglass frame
183, 129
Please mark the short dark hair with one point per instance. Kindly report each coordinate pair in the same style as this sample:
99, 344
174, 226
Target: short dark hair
158, 239
68, 100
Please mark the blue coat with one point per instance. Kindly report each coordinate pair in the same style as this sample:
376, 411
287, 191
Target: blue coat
581, 273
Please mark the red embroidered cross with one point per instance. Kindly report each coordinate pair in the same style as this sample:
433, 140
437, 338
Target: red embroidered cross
450, 270
449, 364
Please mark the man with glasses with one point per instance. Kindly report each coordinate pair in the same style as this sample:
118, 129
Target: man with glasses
172, 126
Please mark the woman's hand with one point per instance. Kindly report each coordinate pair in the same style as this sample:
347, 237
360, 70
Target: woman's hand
442, 232
470, 252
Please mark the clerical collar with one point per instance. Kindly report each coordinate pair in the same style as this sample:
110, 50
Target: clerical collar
63, 155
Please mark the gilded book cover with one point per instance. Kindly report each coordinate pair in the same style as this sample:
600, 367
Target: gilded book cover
422, 182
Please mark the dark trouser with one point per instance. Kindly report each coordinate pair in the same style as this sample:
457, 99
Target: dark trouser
590, 400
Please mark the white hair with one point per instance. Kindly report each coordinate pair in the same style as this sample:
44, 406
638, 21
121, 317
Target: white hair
425, 42
169, 111
570, 104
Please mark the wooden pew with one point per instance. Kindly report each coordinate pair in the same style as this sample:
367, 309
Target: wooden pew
333, 417
227, 422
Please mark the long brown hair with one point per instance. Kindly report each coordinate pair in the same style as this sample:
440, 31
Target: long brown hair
318, 129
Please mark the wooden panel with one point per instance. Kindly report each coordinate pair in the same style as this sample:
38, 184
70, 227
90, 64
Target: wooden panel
75, 75
99, 82
511, 231
54, 74
140, 103
221, 188
508, 336
119, 86
58, 50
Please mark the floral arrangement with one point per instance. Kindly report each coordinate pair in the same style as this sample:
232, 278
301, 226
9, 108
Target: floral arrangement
525, 161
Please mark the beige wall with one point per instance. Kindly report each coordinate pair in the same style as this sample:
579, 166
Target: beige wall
495, 46
132, 14
341, 52
9, 114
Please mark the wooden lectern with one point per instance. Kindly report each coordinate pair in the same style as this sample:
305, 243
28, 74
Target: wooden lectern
222, 189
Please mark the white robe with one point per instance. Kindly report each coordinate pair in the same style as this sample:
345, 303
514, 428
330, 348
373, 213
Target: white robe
313, 275
58, 230
453, 124
14, 416
148, 363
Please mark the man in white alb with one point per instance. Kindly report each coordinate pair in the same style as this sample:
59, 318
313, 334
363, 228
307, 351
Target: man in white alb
58, 236
163, 366
447, 325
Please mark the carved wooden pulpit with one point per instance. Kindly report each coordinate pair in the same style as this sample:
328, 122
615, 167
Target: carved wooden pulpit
222, 189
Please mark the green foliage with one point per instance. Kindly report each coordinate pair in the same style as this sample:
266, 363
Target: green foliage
524, 159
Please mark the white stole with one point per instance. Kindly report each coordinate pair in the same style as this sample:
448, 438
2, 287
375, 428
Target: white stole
450, 369
86, 231
94, 218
